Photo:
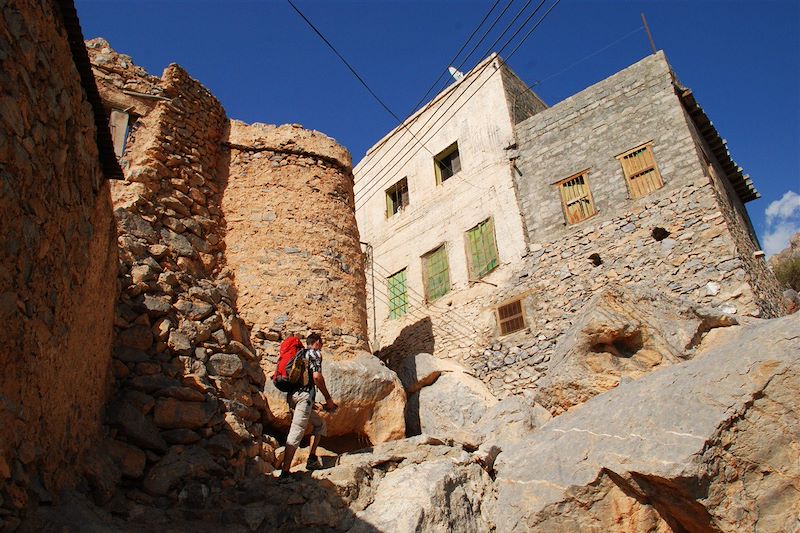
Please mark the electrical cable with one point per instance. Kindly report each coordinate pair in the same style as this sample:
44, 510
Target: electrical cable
379, 177
353, 70
452, 61
421, 100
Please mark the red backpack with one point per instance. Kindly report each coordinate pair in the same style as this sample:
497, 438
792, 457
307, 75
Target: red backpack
292, 366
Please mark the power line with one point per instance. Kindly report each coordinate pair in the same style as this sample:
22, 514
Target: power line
353, 70
596, 52
452, 61
417, 312
379, 177
421, 300
397, 139
347, 64
461, 64
485, 34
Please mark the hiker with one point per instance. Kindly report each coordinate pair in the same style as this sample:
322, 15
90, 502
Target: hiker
301, 400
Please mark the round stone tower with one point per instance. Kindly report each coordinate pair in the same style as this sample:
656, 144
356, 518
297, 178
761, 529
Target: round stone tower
292, 242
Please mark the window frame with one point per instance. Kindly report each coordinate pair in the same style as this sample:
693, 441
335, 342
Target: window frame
560, 184
510, 318
635, 190
394, 208
119, 125
439, 164
400, 310
426, 273
470, 252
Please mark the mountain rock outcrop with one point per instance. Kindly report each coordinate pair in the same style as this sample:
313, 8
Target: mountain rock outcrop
622, 334
706, 445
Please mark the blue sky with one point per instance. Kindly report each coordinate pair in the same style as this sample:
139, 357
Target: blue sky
741, 59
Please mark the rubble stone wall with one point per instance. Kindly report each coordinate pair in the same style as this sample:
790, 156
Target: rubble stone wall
205, 203
757, 272
58, 262
188, 382
292, 241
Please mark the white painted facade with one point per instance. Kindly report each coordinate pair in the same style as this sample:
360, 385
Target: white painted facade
476, 113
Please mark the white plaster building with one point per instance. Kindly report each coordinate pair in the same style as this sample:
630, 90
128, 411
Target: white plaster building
435, 200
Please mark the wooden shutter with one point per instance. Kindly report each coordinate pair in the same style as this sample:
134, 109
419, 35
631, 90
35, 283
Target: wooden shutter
437, 274
482, 249
576, 198
398, 294
641, 172
510, 317
118, 124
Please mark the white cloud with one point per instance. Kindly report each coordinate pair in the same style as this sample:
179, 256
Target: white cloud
783, 221
787, 207
777, 238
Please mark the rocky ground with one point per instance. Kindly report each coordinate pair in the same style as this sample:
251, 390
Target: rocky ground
706, 438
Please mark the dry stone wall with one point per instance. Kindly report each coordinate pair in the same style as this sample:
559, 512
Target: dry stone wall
187, 398
58, 262
224, 230
292, 241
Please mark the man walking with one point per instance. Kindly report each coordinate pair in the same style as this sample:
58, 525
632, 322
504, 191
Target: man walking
301, 401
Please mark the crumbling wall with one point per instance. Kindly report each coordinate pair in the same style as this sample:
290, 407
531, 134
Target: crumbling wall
188, 383
292, 241
188, 404
58, 262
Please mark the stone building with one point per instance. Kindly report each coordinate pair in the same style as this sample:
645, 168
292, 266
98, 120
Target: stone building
58, 257
143, 316
442, 177
625, 182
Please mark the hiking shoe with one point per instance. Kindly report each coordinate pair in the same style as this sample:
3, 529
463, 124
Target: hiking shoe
313, 463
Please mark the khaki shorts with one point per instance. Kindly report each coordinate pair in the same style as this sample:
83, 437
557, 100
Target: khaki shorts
303, 414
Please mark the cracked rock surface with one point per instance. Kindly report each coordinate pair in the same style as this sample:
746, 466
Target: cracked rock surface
707, 445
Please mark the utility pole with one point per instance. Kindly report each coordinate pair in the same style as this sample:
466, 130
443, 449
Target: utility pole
649, 36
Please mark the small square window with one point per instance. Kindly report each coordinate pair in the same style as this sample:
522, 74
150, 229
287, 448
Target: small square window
447, 163
510, 317
436, 273
641, 172
481, 249
397, 197
398, 294
576, 198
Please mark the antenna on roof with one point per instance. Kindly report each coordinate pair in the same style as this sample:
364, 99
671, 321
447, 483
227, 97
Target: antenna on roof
457, 74
647, 29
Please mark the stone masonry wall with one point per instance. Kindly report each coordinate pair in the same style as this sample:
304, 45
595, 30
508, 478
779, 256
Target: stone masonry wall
292, 240
187, 381
194, 221
58, 262
757, 272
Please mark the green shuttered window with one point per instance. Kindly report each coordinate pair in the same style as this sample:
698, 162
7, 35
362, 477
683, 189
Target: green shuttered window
437, 273
398, 294
482, 249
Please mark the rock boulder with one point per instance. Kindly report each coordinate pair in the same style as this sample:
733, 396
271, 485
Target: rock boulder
710, 444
